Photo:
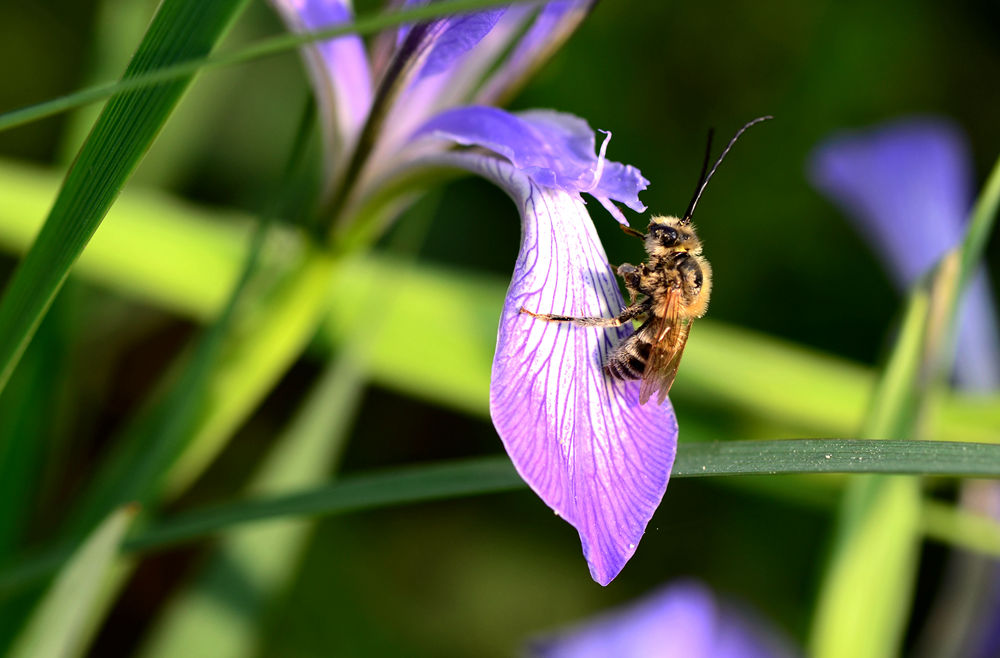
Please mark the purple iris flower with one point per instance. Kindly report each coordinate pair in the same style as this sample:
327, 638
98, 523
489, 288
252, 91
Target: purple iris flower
580, 439
682, 620
907, 187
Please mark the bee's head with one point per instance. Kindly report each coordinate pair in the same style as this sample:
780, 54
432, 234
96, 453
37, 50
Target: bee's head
668, 235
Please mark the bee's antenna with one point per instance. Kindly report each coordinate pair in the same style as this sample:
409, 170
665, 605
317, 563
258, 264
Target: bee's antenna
703, 179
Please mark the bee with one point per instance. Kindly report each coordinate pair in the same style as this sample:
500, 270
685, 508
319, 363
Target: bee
667, 294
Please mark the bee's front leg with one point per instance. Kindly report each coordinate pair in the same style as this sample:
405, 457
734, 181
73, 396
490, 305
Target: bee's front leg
631, 231
630, 275
627, 314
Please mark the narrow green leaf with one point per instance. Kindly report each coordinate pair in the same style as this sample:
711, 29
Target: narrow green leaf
470, 477
169, 71
26, 427
983, 218
58, 626
181, 29
894, 405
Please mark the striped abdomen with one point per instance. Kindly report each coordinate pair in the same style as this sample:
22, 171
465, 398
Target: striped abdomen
628, 360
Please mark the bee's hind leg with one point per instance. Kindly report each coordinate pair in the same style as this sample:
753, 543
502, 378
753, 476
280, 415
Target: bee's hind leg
626, 315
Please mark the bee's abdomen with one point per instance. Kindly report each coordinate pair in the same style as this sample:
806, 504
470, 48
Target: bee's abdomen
628, 360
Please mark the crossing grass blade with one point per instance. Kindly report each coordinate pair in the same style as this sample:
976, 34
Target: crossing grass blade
181, 30
185, 67
414, 484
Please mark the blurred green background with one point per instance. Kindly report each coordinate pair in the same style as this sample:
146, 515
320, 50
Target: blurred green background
479, 576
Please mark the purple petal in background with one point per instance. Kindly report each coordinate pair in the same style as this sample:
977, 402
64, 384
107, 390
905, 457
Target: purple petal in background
578, 438
449, 37
339, 67
554, 23
459, 35
906, 185
554, 150
683, 620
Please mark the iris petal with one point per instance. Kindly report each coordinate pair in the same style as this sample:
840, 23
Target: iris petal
578, 438
906, 185
338, 67
458, 37
683, 620
553, 149
450, 37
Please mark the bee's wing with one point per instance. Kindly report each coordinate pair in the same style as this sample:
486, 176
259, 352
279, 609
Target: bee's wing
670, 334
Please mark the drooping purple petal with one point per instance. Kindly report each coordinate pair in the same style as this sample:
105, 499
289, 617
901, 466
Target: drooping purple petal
338, 67
554, 150
683, 620
555, 22
579, 438
906, 185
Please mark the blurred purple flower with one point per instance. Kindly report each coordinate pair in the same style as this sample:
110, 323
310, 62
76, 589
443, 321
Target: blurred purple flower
906, 185
579, 439
682, 620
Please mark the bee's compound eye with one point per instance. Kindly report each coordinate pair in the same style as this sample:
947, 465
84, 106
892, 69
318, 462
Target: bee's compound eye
669, 235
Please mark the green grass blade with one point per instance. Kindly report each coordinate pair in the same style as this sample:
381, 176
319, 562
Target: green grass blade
983, 218
193, 63
27, 426
495, 474
867, 588
59, 623
126, 128
695, 460
471, 477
